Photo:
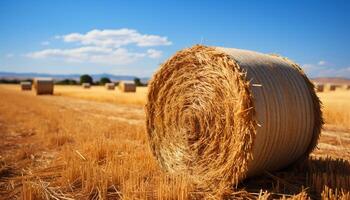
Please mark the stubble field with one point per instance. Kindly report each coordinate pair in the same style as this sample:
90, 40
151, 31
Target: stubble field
91, 144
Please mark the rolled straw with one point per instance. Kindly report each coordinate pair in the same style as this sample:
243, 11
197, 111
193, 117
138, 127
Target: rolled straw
219, 115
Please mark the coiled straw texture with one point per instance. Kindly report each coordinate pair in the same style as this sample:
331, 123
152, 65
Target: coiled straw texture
219, 115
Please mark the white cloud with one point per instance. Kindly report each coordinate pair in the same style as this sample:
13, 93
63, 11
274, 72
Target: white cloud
108, 47
45, 43
98, 55
336, 72
321, 70
76, 52
116, 38
322, 62
118, 56
152, 53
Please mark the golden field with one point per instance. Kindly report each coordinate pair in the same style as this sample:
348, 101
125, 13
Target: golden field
100, 93
91, 144
336, 109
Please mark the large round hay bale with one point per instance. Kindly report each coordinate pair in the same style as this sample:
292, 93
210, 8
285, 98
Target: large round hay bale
43, 85
127, 86
26, 85
219, 115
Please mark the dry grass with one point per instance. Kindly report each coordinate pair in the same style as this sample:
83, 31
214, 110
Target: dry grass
336, 104
99, 93
65, 148
336, 109
96, 93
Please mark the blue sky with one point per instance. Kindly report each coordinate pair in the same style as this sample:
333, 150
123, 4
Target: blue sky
133, 37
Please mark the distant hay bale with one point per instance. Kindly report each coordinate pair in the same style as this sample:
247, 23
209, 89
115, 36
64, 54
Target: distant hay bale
331, 87
86, 85
319, 87
110, 86
344, 87
127, 86
219, 115
338, 87
26, 85
43, 85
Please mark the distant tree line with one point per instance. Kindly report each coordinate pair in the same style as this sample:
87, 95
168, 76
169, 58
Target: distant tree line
67, 82
138, 82
83, 79
88, 79
13, 81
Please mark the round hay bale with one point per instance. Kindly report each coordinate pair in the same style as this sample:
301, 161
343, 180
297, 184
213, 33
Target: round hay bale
127, 86
43, 86
110, 86
219, 115
26, 85
319, 87
344, 87
86, 85
331, 87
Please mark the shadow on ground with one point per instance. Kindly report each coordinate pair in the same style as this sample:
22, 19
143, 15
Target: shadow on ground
318, 177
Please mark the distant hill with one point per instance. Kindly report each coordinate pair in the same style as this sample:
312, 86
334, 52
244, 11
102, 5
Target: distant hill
334, 80
13, 75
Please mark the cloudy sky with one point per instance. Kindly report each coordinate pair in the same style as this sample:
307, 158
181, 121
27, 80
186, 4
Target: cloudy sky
134, 37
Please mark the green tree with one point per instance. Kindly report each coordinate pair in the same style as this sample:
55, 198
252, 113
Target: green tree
86, 79
138, 82
66, 82
104, 80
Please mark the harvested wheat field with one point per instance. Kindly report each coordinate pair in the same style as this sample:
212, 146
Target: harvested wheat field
99, 93
174, 100
87, 147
